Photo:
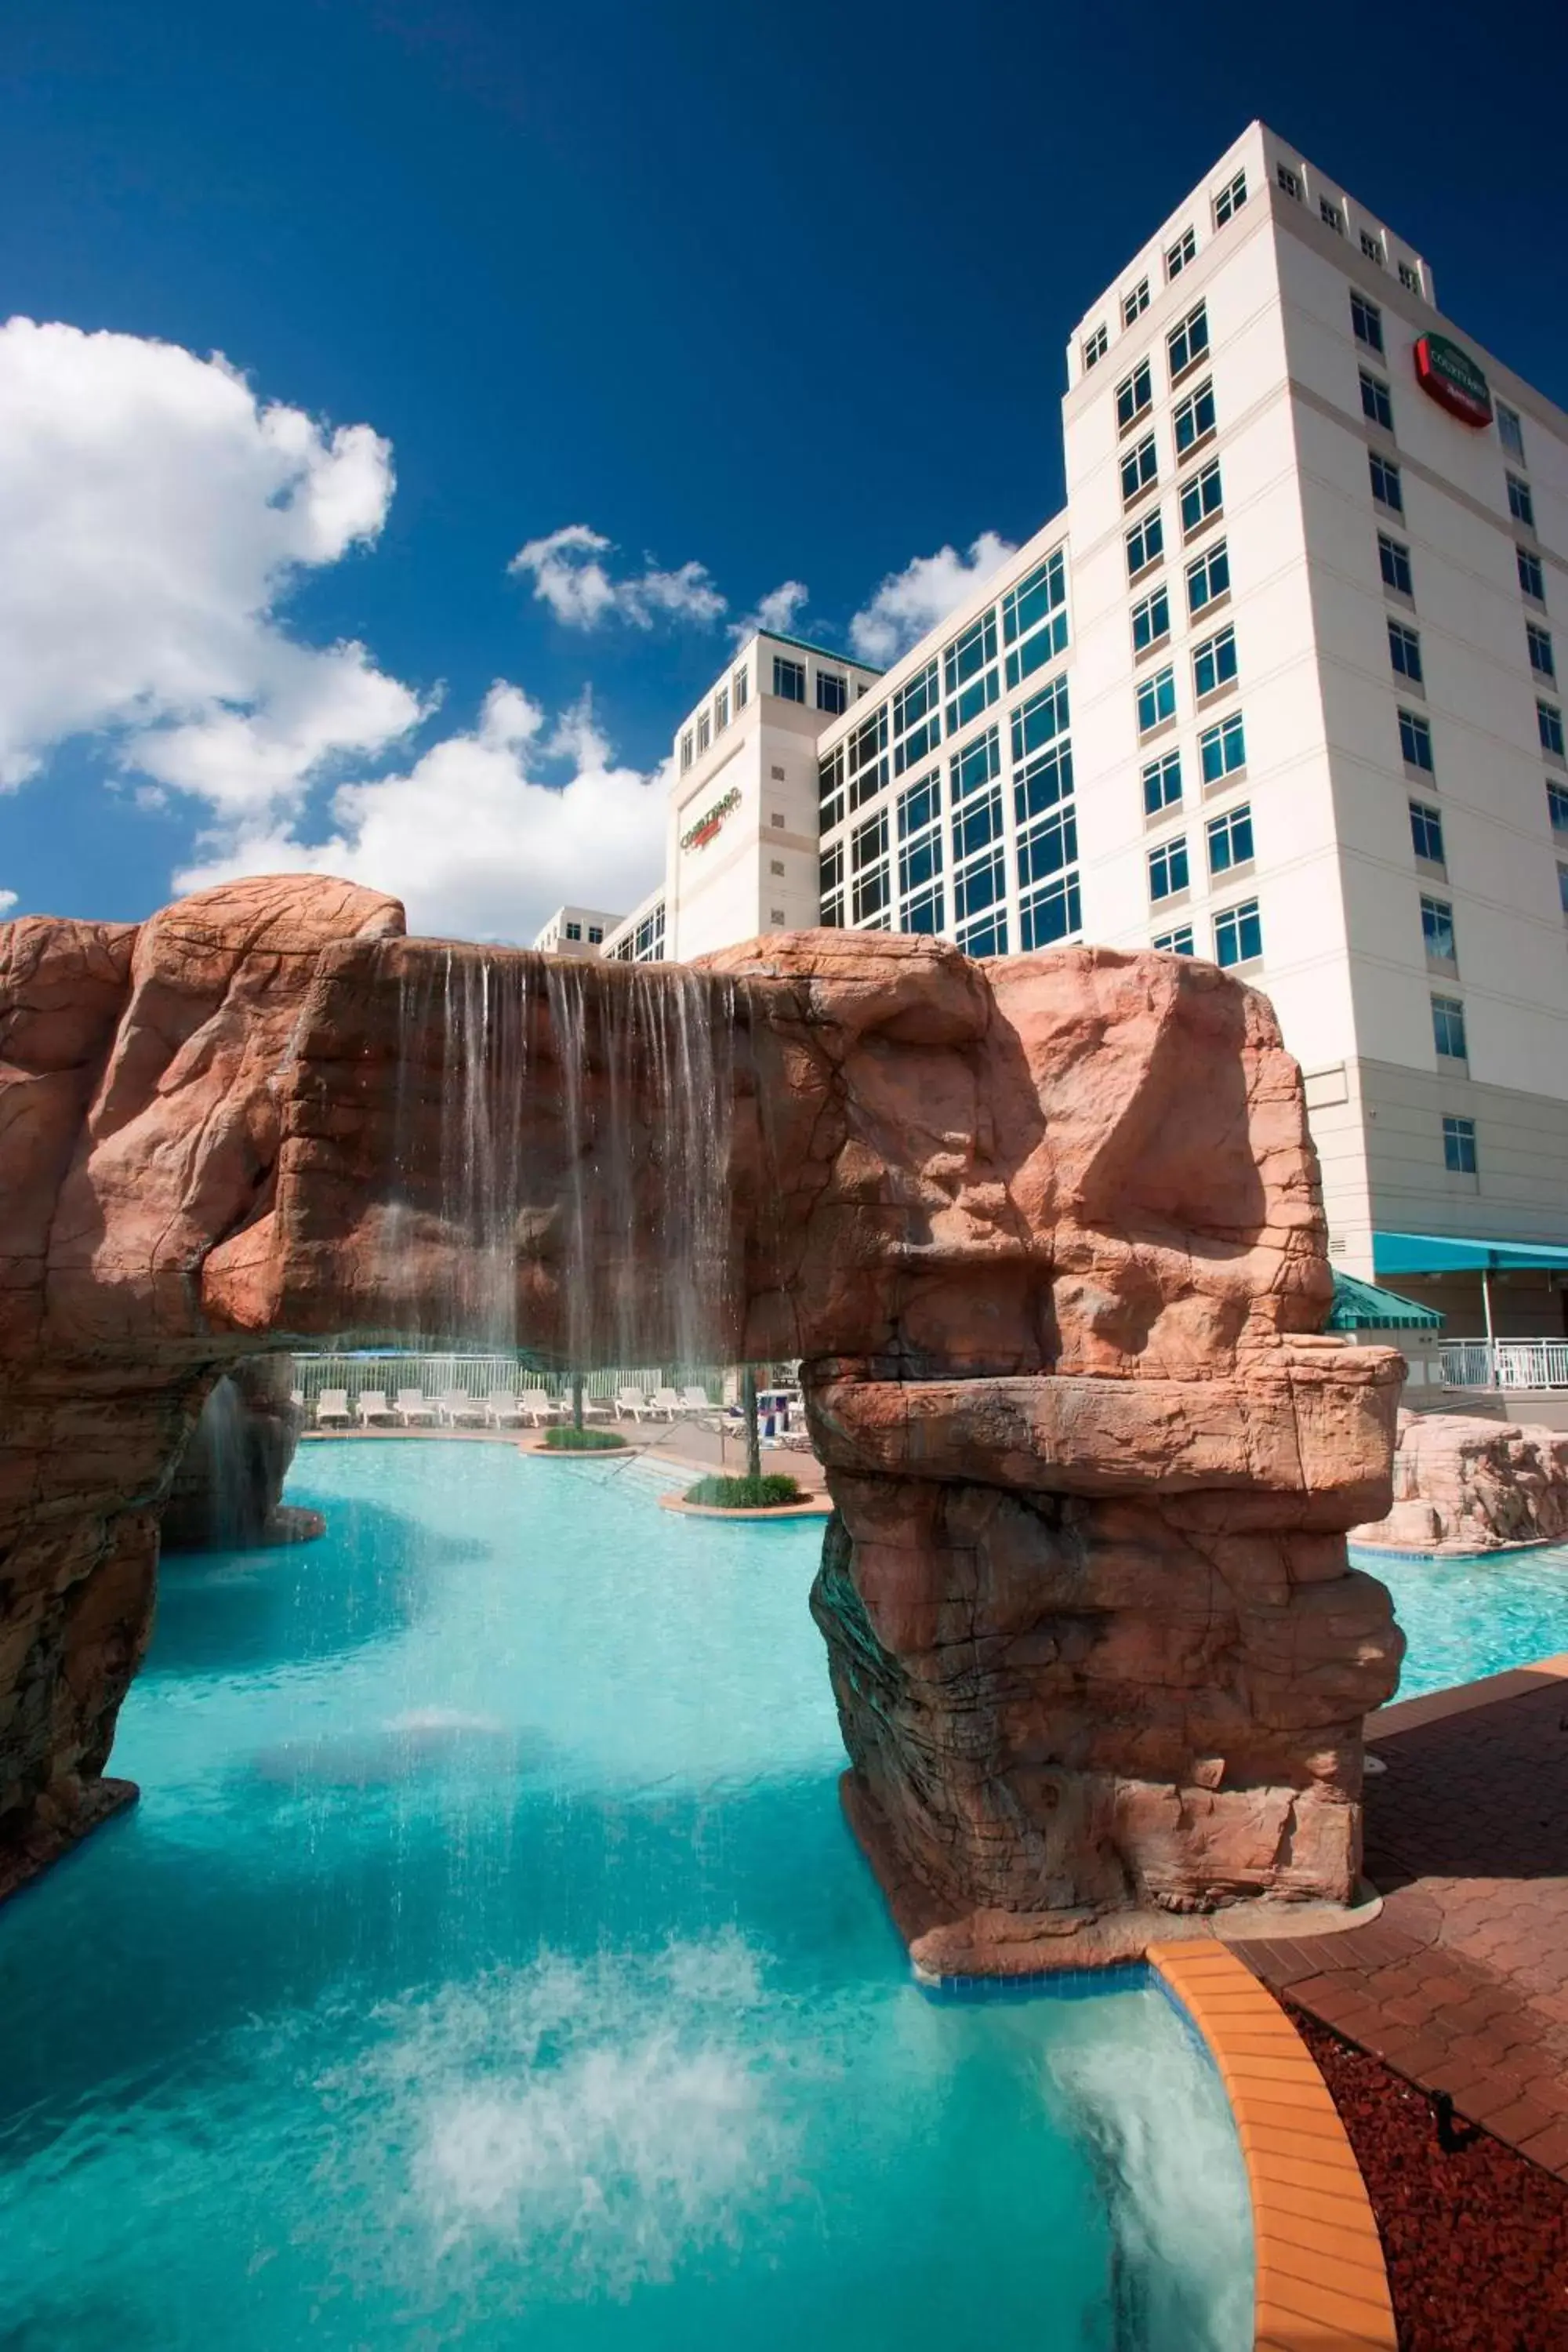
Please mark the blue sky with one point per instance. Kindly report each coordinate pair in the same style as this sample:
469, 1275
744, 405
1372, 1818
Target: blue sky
780, 294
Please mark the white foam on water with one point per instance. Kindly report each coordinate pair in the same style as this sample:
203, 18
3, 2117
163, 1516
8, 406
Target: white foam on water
445, 1719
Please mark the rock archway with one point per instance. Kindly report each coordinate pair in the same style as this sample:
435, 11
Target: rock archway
1044, 1233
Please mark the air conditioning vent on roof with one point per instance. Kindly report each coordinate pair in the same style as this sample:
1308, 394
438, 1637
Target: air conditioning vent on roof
778, 775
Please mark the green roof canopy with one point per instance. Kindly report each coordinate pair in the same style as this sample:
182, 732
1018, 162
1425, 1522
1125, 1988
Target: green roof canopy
1363, 1306
1455, 1254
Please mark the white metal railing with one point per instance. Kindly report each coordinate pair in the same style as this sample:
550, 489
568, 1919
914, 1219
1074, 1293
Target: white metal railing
471, 1376
1504, 1363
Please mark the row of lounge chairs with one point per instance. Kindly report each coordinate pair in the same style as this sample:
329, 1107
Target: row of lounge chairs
501, 1409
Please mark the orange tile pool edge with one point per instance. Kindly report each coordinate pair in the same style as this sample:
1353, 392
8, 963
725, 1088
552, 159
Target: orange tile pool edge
1321, 2279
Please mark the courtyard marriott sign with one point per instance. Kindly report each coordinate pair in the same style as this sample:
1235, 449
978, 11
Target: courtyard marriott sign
706, 825
1451, 378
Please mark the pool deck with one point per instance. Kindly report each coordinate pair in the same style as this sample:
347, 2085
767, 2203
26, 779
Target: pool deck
1461, 1985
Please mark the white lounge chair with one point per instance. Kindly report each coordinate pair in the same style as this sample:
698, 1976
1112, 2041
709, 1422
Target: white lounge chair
413, 1405
456, 1407
537, 1405
502, 1408
371, 1405
632, 1400
695, 1400
593, 1408
666, 1401
332, 1409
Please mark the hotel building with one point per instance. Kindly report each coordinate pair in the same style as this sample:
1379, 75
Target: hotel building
1279, 686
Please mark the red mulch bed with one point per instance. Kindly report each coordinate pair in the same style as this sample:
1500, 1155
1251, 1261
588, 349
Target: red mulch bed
1477, 2240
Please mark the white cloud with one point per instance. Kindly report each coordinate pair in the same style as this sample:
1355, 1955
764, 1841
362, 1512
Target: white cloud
154, 516
7, 901
914, 600
776, 611
569, 577
471, 839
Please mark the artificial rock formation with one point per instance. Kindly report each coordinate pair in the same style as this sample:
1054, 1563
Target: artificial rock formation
1044, 1234
1463, 1485
226, 1493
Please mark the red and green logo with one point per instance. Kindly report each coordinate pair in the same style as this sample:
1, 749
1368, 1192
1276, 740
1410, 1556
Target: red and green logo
1451, 378
698, 836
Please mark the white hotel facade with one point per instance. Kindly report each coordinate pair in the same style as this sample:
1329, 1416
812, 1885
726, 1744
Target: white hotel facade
1279, 686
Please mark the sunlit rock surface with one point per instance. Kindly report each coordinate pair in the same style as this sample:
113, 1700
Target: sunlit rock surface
1463, 1485
1045, 1234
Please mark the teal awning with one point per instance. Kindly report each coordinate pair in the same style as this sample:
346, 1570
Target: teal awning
1456, 1254
1363, 1306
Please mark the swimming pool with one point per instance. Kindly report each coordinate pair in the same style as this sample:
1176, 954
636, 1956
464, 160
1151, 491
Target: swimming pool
488, 1962
1466, 1618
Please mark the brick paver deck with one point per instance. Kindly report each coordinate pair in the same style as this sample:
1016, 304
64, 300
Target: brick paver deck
1462, 1984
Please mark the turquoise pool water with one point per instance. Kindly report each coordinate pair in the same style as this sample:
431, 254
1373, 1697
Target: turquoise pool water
487, 1963
1465, 1618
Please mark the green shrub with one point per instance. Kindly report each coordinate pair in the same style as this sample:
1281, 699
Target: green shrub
768, 1493
567, 1440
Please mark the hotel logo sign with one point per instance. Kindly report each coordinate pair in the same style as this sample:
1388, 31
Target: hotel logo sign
1451, 378
698, 836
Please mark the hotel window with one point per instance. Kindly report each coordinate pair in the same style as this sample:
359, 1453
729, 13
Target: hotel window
1509, 430
925, 910
1050, 914
1177, 256
1562, 887
789, 678
1541, 655
1385, 484
740, 683
1409, 278
595, 935
1168, 870
1156, 700
1202, 498
1557, 805
830, 790
1162, 784
1230, 200
1520, 505
1135, 303
867, 750
1222, 749
986, 937
869, 858
1094, 347
1376, 403
1238, 935
1290, 180
1187, 342
1177, 943
1331, 214
1532, 578
720, 710
1427, 833
1214, 663
973, 768
1048, 847
1138, 469
1034, 620
686, 751
1437, 930
1415, 741
1366, 321
573, 930
704, 733
1373, 248
1230, 840
920, 806
1458, 1146
1404, 652
917, 729
1449, 1027
832, 691
1548, 721
1043, 784
970, 684
830, 882
1194, 418
1151, 620
1209, 577
1134, 393
1145, 543
980, 884
920, 834
1040, 721
1394, 562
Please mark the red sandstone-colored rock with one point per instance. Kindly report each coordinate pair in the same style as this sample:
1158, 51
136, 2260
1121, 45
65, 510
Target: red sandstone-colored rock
1463, 1485
1045, 1234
